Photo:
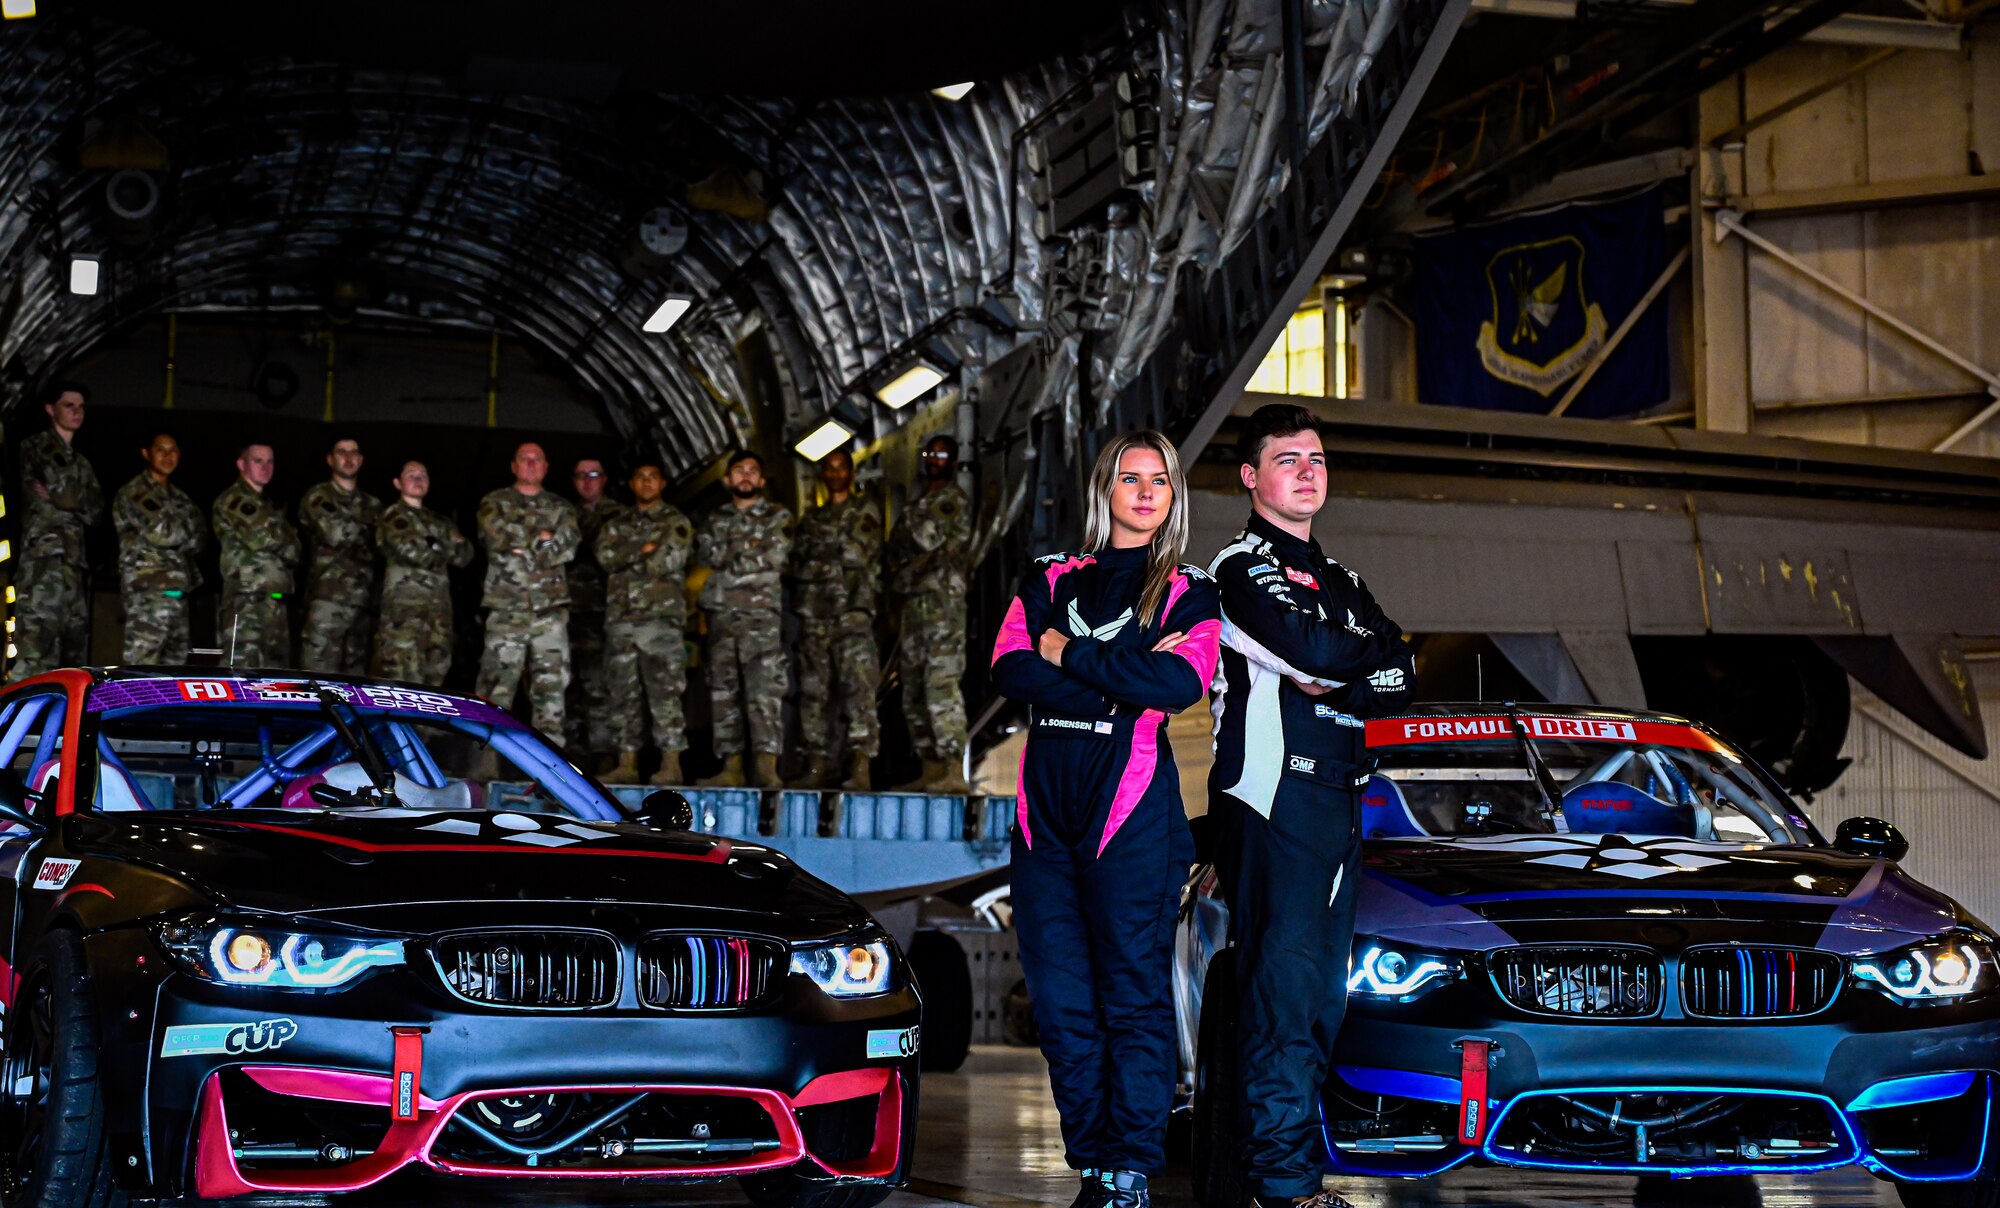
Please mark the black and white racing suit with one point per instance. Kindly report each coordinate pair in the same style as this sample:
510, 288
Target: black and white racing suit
1284, 812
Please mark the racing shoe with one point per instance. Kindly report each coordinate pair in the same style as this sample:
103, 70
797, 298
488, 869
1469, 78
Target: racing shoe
1093, 1193
670, 770
730, 777
1326, 1198
625, 771
1126, 1189
765, 775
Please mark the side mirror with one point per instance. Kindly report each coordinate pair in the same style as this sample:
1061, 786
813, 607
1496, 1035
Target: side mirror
1871, 837
667, 808
14, 804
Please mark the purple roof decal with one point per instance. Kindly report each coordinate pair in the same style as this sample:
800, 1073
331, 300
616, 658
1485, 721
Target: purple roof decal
136, 693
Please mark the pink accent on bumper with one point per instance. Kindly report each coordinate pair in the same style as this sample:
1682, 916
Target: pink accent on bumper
1138, 776
217, 1174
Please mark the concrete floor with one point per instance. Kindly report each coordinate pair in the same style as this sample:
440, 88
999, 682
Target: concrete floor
989, 1139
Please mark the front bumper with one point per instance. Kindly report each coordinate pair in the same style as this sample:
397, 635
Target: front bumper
1865, 1078
301, 1056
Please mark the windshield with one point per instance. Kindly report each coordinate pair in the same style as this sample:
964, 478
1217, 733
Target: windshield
257, 745
1475, 775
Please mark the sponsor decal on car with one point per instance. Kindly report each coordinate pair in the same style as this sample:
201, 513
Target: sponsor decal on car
206, 690
54, 873
227, 1039
293, 690
893, 1042
409, 699
1397, 731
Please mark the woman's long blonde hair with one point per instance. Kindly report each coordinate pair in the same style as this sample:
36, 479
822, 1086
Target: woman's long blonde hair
1169, 540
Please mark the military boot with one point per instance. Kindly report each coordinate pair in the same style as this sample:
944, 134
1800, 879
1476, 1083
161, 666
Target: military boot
765, 773
818, 773
858, 779
944, 776
730, 777
670, 770
625, 771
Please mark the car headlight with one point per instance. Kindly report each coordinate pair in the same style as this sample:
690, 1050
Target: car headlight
1396, 974
846, 970
1955, 966
275, 957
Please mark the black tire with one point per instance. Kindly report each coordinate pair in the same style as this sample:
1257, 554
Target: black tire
783, 1189
938, 964
1973, 1193
55, 1149
1216, 1149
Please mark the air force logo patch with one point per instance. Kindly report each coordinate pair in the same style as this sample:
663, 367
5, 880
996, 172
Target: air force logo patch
1543, 330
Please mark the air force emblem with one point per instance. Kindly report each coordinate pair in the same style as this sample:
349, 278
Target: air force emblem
1543, 331
1080, 628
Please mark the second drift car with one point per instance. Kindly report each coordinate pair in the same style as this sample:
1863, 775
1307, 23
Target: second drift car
1607, 941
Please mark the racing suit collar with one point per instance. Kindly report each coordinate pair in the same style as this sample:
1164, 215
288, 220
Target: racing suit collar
1304, 551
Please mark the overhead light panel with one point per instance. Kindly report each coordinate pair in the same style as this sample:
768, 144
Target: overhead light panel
909, 386
83, 274
670, 313
824, 439
950, 92
14, 10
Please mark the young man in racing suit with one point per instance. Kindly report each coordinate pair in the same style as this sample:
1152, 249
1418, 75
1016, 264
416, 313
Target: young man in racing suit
1306, 655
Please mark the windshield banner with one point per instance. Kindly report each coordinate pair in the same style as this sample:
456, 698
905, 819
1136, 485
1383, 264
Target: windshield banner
130, 694
1403, 731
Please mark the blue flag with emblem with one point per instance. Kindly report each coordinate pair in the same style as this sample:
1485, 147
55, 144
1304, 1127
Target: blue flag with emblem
1509, 313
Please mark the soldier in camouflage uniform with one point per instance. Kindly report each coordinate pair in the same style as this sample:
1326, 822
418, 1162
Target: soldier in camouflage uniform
52, 586
339, 521
160, 530
592, 725
259, 548
530, 536
745, 544
836, 559
927, 557
644, 552
421, 547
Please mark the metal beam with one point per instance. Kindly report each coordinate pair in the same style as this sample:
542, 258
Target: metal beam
1625, 327
1803, 97
1843, 199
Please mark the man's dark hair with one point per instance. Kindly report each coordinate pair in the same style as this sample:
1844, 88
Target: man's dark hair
243, 450
1273, 420
739, 457
949, 441
56, 392
154, 436
336, 442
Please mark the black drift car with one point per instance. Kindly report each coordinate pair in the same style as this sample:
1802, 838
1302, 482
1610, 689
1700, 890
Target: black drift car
272, 935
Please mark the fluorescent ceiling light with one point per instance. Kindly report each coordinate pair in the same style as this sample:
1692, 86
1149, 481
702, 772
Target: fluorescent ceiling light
83, 272
670, 313
824, 439
15, 9
909, 386
950, 92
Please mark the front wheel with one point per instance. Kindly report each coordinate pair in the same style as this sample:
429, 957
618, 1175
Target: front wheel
1217, 1144
55, 1149
1973, 1193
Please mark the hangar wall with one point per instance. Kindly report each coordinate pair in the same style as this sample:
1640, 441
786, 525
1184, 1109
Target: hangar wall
1945, 803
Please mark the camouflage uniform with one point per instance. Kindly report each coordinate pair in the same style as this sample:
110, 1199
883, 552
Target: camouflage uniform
52, 584
527, 601
836, 559
746, 548
646, 607
259, 548
589, 716
340, 579
413, 641
160, 530
928, 561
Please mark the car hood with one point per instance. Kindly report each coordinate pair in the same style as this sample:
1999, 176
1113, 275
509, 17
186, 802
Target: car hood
1468, 892
301, 862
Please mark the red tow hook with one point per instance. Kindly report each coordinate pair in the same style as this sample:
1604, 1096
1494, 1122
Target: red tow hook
409, 1072
1476, 1057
